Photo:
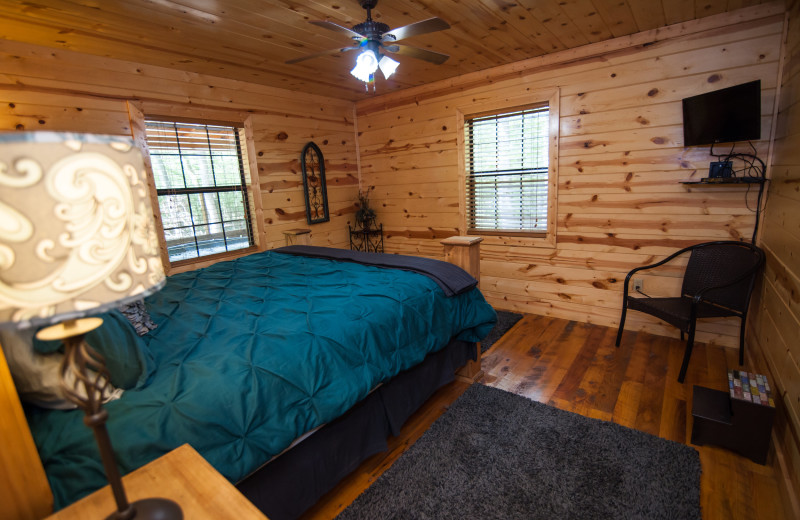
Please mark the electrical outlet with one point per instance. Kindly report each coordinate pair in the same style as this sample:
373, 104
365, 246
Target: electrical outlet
638, 284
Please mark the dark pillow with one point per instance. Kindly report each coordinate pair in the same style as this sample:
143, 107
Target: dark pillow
137, 314
37, 376
129, 361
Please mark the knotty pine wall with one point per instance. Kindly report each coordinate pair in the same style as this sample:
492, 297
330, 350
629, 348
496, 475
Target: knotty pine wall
776, 306
621, 160
59, 90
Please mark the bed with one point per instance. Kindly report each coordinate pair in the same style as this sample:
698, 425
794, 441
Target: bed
284, 369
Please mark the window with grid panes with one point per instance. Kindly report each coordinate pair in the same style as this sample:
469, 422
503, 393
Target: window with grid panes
202, 192
507, 163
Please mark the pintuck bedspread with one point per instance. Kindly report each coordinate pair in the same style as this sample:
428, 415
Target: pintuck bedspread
254, 352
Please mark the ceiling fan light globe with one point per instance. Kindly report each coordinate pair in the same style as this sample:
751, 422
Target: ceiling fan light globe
368, 61
360, 75
366, 65
388, 66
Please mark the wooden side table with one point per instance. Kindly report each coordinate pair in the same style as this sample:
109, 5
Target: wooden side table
738, 420
181, 475
298, 237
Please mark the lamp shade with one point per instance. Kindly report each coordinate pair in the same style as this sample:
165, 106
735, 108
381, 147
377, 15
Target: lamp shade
388, 66
366, 65
77, 234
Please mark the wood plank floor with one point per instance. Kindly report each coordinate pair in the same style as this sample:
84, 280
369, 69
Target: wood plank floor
575, 366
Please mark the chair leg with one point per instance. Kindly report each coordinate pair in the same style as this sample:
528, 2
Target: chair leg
687, 354
682, 337
622, 319
741, 341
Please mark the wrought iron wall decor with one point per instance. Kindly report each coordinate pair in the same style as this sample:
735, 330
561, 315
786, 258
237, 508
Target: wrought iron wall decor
314, 187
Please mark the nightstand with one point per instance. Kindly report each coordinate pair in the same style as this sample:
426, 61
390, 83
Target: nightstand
739, 420
181, 475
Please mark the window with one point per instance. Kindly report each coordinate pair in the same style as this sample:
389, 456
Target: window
202, 191
507, 172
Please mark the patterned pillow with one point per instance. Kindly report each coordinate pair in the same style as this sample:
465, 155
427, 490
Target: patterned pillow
138, 316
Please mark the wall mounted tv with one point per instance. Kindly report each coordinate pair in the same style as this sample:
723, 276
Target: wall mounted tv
723, 116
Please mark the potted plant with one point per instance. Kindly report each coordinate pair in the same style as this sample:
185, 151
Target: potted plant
365, 216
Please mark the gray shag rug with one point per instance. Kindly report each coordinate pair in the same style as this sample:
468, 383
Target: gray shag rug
496, 455
505, 320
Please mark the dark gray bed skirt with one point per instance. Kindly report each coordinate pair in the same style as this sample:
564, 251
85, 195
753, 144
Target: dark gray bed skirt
293, 482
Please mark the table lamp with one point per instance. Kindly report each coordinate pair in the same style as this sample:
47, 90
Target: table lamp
77, 238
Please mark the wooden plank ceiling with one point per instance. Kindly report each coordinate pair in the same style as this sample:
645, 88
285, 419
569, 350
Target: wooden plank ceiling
251, 40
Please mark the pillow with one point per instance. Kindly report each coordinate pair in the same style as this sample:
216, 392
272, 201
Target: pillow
36, 376
129, 361
137, 314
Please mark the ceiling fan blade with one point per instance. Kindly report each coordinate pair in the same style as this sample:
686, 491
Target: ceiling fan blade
322, 53
338, 28
415, 52
415, 29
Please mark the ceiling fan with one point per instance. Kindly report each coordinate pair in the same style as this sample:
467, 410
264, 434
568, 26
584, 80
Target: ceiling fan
372, 38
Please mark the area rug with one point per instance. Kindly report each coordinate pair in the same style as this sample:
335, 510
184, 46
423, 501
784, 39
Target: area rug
505, 320
496, 455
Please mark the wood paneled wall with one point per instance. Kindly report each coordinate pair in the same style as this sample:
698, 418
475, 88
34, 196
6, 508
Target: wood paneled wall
621, 160
58, 90
620, 203
776, 309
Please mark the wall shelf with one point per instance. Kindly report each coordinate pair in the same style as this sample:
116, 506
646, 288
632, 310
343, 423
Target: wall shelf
726, 181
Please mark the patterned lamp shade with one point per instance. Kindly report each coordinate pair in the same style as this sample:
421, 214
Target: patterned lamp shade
77, 235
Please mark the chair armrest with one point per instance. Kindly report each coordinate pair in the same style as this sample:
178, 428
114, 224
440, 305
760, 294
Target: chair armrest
650, 266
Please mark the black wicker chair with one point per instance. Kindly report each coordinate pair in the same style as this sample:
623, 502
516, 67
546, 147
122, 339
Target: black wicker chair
718, 280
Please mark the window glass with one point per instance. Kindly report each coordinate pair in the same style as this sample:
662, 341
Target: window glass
202, 193
507, 161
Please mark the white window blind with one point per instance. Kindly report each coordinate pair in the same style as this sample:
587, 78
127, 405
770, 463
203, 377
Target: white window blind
202, 193
507, 171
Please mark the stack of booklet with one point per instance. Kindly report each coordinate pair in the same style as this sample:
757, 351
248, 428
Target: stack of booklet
747, 386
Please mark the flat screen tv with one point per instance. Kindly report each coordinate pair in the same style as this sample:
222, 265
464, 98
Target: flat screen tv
723, 116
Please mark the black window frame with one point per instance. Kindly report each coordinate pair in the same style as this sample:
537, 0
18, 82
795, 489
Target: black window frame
242, 187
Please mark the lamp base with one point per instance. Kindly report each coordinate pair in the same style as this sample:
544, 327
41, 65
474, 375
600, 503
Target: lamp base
150, 509
79, 358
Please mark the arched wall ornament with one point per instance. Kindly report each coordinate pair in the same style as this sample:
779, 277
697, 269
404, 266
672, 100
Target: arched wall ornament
314, 187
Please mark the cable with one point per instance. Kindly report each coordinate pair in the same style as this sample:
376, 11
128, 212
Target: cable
758, 212
753, 167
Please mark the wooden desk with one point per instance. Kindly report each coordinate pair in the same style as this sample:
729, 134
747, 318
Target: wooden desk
181, 475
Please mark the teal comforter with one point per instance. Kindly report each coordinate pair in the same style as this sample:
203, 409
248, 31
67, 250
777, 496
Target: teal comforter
254, 352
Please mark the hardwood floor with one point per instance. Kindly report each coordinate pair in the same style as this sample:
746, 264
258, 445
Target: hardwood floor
576, 367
